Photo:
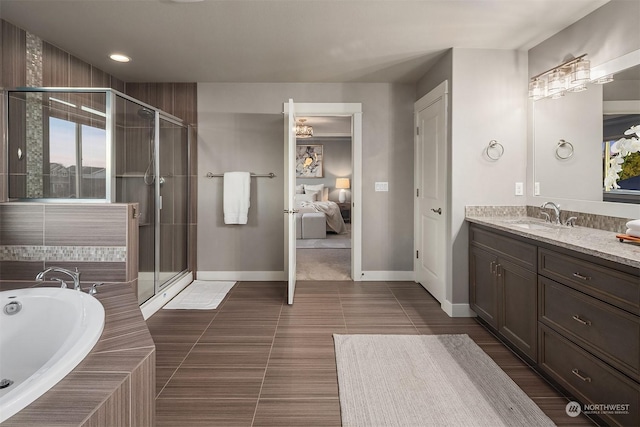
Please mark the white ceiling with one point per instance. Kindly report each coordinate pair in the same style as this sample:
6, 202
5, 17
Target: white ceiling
286, 41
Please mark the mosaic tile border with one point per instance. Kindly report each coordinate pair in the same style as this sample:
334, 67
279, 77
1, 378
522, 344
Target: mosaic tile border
64, 253
600, 222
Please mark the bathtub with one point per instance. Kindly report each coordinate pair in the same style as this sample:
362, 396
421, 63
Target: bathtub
44, 334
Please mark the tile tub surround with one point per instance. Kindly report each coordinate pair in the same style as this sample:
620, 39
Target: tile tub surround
599, 243
99, 239
114, 384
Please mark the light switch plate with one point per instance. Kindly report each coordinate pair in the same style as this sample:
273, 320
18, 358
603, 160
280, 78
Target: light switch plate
382, 186
536, 189
519, 189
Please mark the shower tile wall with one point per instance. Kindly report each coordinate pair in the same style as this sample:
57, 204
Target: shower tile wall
59, 68
29, 61
96, 239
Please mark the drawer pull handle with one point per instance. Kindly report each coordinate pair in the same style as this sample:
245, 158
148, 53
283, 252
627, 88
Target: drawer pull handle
580, 276
584, 322
576, 372
491, 267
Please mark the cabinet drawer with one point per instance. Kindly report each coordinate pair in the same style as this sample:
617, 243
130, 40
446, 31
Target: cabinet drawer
588, 378
606, 331
515, 251
613, 286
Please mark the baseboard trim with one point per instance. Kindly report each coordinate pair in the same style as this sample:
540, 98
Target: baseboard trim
158, 301
396, 276
457, 310
249, 276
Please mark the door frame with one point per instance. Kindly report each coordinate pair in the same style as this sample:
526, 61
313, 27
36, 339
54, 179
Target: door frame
355, 111
439, 92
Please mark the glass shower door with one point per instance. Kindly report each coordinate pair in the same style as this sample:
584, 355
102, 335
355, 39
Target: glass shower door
135, 182
174, 186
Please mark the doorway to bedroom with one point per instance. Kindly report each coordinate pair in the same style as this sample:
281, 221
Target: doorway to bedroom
324, 176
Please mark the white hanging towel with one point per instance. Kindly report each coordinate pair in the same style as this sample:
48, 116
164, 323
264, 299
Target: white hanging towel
236, 195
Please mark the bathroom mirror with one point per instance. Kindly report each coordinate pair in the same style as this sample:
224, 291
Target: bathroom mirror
589, 121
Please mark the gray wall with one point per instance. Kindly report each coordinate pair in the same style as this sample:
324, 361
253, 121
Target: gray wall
487, 100
337, 163
606, 33
241, 128
441, 71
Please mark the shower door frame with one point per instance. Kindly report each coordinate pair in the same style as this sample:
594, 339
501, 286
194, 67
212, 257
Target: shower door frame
159, 114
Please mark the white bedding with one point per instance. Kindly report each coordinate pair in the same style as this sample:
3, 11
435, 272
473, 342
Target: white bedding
331, 211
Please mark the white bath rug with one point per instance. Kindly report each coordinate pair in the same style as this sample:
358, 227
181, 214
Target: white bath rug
200, 295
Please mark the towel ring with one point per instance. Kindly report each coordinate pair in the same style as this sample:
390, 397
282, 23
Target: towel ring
494, 145
561, 144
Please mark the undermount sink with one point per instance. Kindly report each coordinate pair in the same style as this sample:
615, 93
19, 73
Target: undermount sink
533, 224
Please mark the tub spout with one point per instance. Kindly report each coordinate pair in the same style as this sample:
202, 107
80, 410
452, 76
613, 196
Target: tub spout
75, 275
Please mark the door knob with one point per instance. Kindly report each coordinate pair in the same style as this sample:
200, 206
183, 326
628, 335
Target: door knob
438, 211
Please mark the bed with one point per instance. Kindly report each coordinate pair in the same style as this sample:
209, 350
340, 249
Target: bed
311, 201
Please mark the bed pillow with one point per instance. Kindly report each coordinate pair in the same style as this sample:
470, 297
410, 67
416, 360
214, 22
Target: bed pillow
306, 197
300, 189
319, 188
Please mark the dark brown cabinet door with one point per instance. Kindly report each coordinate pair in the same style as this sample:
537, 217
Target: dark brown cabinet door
518, 316
484, 290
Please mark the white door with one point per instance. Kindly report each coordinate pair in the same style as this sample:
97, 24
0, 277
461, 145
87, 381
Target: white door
431, 191
289, 196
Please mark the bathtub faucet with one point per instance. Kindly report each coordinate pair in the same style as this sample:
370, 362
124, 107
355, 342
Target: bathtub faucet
75, 275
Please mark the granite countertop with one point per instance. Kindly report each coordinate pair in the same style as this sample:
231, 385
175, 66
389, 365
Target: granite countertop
591, 241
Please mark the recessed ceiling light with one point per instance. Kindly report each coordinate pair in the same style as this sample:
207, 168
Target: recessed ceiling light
119, 57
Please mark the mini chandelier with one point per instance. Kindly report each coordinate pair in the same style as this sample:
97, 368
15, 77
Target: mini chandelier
302, 130
571, 76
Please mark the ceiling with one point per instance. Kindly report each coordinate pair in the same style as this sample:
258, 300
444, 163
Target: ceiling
286, 40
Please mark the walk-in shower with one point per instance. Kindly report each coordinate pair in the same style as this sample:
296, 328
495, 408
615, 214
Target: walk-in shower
102, 146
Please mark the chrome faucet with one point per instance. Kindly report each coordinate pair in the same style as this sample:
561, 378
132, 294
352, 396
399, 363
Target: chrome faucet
75, 275
556, 210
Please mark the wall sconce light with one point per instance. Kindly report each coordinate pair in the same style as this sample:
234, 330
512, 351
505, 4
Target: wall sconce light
570, 76
342, 183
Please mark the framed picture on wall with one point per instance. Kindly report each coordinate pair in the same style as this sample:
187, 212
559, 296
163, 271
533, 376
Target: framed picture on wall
309, 161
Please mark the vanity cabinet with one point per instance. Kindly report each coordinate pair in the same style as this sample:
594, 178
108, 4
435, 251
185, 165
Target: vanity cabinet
503, 287
589, 331
575, 316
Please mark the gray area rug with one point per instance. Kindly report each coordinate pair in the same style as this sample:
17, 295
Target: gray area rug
434, 380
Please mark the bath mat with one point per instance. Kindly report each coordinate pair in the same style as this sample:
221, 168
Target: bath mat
200, 295
418, 380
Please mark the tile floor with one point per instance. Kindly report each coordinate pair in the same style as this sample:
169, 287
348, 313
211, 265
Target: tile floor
256, 361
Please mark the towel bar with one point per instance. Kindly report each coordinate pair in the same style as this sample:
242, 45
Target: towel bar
253, 175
